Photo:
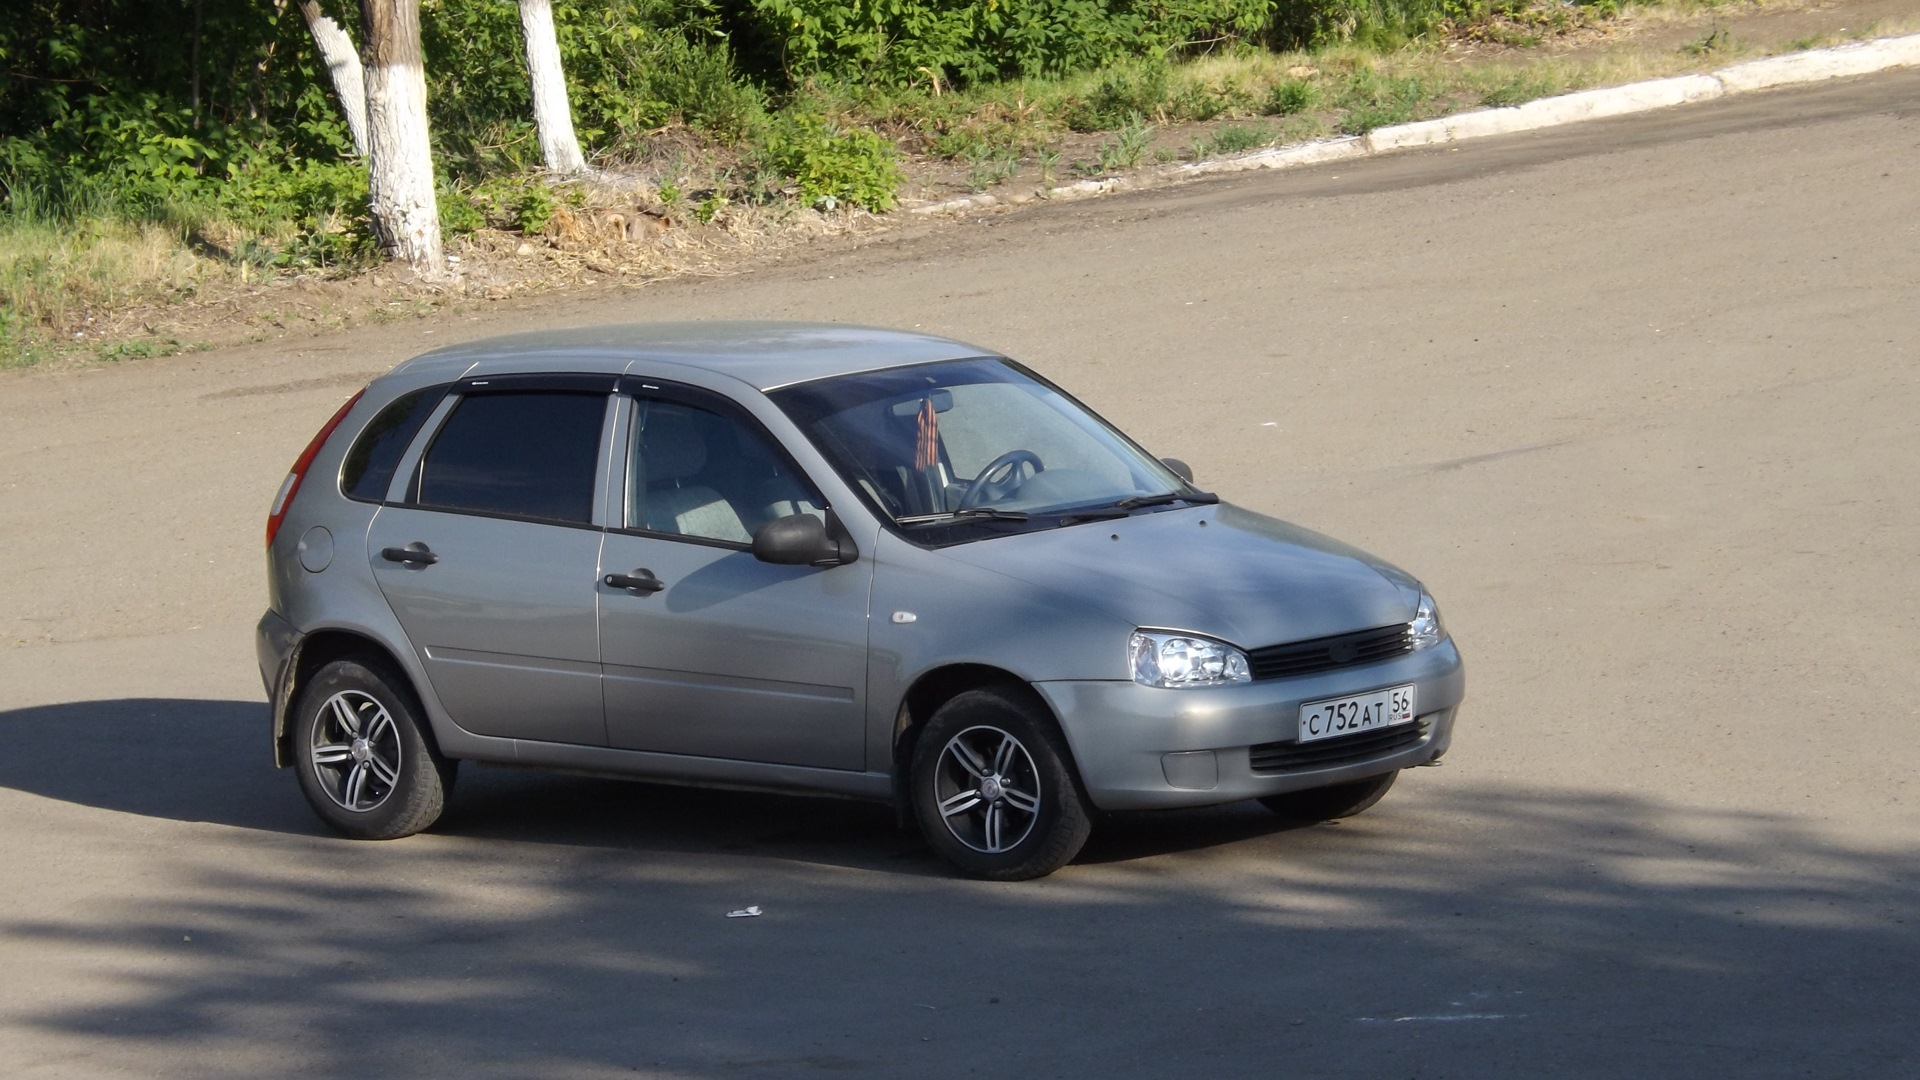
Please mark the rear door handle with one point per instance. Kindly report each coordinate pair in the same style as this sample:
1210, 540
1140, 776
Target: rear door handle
414, 554
640, 581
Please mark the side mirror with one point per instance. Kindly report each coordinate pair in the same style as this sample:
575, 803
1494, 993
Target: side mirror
1180, 468
801, 540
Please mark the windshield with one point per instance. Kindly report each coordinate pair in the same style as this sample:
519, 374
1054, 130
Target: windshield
973, 440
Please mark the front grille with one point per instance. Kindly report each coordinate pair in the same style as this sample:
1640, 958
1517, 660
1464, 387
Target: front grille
1346, 750
1327, 653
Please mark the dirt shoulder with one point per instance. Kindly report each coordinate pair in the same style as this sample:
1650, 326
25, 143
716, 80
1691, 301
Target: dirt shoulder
612, 242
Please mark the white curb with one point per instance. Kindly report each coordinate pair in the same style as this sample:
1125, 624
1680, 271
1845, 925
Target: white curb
1814, 65
1859, 58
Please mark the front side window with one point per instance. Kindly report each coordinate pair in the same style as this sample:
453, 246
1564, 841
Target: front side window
979, 439
528, 454
697, 473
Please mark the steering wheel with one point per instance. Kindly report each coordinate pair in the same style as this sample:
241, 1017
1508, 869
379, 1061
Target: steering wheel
989, 486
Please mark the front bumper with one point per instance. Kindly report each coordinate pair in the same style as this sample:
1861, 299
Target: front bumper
1138, 747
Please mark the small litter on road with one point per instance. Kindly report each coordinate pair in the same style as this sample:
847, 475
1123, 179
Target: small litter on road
744, 913
1440, 1019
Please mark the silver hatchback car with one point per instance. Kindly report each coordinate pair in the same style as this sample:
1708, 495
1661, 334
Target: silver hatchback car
817, 558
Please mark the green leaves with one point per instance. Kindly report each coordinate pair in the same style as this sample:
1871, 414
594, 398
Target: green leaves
831, 166
957, 42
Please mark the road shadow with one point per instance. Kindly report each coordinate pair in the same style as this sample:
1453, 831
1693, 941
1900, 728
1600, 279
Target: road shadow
176, 758
1463, 931
567, 926
199, 760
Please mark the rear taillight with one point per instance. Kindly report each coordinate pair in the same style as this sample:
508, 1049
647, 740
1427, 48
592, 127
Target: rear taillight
291, 485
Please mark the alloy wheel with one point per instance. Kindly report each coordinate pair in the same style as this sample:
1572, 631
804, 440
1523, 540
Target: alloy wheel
988, 789
355, 751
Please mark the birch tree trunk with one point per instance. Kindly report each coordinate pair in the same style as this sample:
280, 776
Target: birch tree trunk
343, 66
399, 157
552, 113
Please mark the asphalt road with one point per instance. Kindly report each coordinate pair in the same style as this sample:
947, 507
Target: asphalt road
1637, 400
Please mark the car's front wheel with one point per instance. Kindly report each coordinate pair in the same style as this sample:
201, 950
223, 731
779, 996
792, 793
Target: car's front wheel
1329, 803
993, 788
365, 764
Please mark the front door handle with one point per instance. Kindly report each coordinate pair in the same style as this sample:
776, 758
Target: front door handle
640, 581
414, 554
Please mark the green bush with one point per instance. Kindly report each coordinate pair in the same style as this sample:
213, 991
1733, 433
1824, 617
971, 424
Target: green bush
831, 165
903, 42
1290, 97
533, 209
458, 214
1125, 92
1382, 24
1198, 101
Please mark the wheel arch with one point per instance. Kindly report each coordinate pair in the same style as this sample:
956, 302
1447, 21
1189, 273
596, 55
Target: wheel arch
314, 651
933, 689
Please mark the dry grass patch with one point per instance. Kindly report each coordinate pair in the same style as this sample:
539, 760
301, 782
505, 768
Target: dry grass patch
64, 282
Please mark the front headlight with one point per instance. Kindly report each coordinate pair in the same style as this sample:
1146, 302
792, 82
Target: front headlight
1425, 628
1183, 661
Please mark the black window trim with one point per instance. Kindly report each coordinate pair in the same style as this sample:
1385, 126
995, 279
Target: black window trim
495, 515
564, 381
547, 382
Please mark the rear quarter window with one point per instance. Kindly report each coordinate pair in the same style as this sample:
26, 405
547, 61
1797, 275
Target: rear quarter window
371, 461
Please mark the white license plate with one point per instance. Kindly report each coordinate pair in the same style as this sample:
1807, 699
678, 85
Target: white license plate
1374, 709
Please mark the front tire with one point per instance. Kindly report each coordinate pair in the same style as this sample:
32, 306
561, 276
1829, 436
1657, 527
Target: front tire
1330, 803
365, 763
993, 788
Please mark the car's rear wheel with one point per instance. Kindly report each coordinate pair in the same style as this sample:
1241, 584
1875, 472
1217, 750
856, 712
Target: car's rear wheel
366, 765
993, 788
1329, 803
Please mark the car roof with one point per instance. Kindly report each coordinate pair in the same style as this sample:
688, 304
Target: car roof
766, 355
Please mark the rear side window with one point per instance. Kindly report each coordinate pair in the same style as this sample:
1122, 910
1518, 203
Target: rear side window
523, 454
368, 468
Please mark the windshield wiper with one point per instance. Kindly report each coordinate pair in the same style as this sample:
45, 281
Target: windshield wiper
1098, 513
972, 512
1135, 502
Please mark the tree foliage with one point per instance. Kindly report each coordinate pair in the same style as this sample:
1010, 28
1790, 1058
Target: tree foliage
965, 41
153, 97
141, 107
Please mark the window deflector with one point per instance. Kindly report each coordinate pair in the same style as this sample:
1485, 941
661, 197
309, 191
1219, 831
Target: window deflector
626, 508
400, 489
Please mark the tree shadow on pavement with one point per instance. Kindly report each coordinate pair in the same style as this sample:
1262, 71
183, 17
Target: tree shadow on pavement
565, 927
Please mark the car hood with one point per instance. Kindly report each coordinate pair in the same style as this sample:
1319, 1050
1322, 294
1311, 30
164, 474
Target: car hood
1218, 570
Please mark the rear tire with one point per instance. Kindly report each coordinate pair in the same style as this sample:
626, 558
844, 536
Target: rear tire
1330, 803
993, 789
366, 765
